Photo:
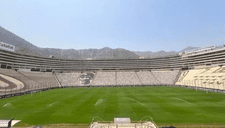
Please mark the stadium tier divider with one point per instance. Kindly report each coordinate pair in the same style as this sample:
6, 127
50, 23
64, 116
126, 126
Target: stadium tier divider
147, 78
177, 77
68, 79
96, 73
159, 83
139, 78
57, 79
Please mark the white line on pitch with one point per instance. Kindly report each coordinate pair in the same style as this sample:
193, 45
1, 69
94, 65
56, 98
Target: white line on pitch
99, 101
181, 100
52, 104
136, 101
7, 104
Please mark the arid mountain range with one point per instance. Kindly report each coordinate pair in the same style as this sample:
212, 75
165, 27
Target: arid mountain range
25, 47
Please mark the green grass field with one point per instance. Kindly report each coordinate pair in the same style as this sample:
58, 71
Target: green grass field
80, 105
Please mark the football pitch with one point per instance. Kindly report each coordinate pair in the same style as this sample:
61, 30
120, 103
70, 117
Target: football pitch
80, 105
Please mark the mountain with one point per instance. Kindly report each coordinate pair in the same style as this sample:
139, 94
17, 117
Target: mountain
22, 46
108, 53
118, 53
149, 54
189, 48
25, 47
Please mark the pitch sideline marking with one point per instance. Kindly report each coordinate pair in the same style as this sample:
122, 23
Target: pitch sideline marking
182, 100
135, 101
52, 103
99, 101
7, 104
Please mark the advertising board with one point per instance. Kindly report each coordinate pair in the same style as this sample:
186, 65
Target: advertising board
7, 47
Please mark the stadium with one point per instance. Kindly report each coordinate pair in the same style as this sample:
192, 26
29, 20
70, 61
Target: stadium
112, 64
183, 90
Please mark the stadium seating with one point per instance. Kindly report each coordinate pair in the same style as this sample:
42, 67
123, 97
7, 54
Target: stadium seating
183, 74
29, 83
46, 79
127, 78
166, 77
68, 79
104, 78
113, 78
32, 80
147, 78
39, 77
17, 75
210, 77
85, 79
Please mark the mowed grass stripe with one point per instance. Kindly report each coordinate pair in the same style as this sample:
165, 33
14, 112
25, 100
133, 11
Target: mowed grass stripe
156, 103
77, 105
138, 107
83, 113
149, 97
172, 109
125, 103
48, 113
102, 106
25, 107
111, 103
81, 108
204, 104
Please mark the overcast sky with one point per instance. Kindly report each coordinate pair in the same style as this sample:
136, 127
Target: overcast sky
137, 25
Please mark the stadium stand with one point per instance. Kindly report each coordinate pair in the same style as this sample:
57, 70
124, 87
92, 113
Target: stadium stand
112, 78
31, 81
127, 78
28, 82
166, 77
17, 75
210, 77
105, 78
39, 77
147, 78
200, 70
183, 74
68, 79
20, 61
9, 84
177, 77
85, 78
46, 79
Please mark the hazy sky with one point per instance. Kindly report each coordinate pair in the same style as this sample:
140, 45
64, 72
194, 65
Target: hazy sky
137, 25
